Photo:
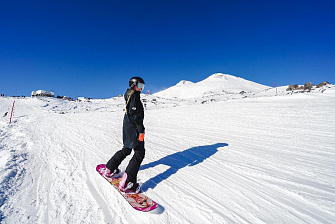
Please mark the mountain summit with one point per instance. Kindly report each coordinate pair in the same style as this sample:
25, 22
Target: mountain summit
215, 84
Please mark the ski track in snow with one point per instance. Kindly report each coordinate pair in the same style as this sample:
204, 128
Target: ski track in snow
260, 160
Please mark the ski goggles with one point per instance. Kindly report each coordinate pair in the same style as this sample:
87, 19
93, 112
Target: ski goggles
140, 86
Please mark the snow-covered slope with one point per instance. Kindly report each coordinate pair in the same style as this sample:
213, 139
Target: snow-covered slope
216, 84
252, 160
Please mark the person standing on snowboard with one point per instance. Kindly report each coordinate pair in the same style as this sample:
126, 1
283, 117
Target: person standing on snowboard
133, 138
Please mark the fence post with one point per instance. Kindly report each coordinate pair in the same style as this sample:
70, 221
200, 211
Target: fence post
10, 121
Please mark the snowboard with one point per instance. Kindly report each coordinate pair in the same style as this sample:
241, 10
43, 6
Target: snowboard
138, 201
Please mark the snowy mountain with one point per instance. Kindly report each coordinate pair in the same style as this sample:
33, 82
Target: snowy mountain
259, 159
214, 85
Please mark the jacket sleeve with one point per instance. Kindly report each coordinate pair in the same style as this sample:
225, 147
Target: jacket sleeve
136, 112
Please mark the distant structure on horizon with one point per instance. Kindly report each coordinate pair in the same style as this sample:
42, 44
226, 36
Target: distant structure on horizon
42, 93
85, 99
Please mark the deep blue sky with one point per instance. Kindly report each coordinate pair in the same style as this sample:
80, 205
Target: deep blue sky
91, 48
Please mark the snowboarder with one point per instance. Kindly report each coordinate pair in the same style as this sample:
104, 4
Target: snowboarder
133, 138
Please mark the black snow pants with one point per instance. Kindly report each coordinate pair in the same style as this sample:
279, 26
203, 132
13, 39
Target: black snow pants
134, 164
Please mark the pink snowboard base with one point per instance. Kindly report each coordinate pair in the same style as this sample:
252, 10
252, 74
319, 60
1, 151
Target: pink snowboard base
138, 201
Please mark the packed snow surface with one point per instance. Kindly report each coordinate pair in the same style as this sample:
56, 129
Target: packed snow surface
266, 159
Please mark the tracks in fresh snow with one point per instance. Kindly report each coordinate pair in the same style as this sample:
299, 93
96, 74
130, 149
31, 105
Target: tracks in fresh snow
64, 146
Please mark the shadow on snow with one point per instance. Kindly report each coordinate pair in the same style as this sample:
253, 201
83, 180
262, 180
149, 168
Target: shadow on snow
179, 160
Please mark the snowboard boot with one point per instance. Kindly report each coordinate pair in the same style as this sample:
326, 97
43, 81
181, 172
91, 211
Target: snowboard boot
132, 188
108, 173
128, 187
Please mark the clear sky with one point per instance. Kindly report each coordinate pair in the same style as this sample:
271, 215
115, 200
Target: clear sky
92, 48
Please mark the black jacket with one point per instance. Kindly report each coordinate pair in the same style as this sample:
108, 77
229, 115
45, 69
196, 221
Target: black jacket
133, 119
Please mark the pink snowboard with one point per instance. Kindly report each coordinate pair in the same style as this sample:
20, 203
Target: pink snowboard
138, 201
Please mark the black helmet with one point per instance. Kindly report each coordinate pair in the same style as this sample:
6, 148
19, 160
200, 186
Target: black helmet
136, 81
